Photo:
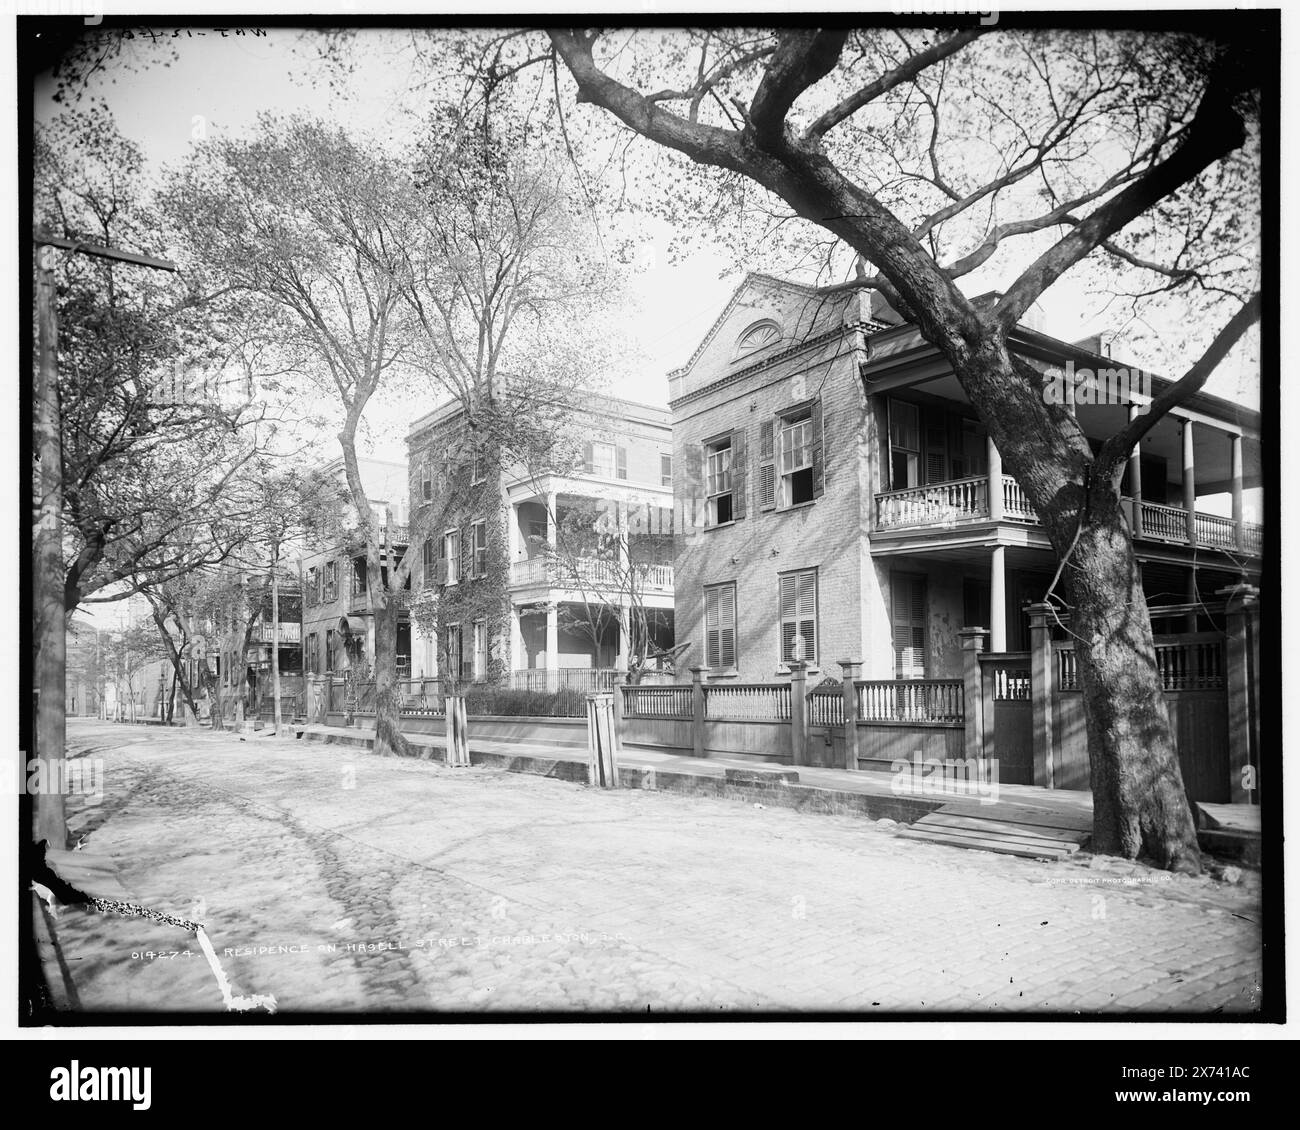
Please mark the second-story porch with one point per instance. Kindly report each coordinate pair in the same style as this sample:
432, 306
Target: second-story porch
1194, 483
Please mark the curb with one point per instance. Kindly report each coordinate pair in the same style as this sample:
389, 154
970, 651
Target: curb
777, 786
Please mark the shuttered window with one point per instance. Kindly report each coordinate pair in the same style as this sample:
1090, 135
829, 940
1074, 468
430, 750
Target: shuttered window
798, 597
909, 612
766, 466
449, 555
720, 626
427, 559
904, 446
426, 482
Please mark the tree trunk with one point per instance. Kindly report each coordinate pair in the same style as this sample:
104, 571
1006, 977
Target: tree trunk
1140, 806
275, 635
388, 699
1139, 802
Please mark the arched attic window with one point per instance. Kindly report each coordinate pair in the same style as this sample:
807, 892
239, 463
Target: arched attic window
758, 336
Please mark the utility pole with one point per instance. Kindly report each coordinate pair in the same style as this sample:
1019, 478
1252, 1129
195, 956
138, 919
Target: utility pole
50, 669
275, 632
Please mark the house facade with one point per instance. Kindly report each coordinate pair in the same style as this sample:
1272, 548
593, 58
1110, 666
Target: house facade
532, 577
337, 621
840, 499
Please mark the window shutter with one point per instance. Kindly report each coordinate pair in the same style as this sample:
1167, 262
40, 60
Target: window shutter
766, 466
467, 553
908, 598
806, 610
818, 456
620, 462
588, 462
739, 474
440, 572
692, 495
936, 446
727, 626
787, 617
711, 632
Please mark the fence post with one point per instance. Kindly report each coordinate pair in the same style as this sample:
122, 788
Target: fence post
620, 681
972, 644
1242, 610
698, 675
1041, 683
602, 741
851, 669
457, 730
798, 712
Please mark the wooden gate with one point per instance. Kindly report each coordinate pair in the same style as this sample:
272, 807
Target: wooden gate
1009, 716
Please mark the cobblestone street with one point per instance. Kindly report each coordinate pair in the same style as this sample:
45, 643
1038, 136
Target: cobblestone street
337, 881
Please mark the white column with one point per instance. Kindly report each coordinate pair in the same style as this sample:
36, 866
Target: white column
552, 643
512, 533
517, 661
551, 517
1135, 478
995, 481
998, 599
1189, 482
1238, 510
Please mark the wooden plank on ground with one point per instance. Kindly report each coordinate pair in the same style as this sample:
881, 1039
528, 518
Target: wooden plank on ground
983, 843
1063, 836
1020, 814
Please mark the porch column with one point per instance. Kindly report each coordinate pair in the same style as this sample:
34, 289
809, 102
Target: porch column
512, 533
552, 645
1135, 477
998, 598
517, 662
1238, 511
995, 481
551, 517
1042, 683
1189, 482
1240, 663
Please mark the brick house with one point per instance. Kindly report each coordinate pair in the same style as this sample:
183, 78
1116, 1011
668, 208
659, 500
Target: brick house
502, 605
334, 593
841, 500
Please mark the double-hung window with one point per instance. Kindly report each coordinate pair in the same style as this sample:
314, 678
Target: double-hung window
796, 459
904, 446
450, 553
665, 469
798, 600
720, 626
717, 478
478, 542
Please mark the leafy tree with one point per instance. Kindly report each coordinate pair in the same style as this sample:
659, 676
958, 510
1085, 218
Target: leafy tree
1133, 150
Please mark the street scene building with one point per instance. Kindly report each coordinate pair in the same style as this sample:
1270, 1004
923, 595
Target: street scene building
542, 577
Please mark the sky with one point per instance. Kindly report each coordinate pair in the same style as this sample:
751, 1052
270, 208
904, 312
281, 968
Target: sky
217, 86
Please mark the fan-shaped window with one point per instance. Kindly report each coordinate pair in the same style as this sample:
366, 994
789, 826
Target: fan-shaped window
759, 336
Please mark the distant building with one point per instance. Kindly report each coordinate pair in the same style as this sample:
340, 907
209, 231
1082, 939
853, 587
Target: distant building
517, 570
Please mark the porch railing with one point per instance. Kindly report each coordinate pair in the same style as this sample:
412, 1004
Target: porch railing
589, 679
587, 571
935, 505
940, 505
911, 700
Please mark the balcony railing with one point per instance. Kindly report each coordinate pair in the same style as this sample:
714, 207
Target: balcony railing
943, 505
939, 504
588, 572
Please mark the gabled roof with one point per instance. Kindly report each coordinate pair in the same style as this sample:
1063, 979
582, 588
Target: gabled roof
751, 279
